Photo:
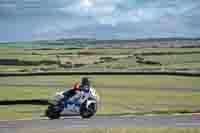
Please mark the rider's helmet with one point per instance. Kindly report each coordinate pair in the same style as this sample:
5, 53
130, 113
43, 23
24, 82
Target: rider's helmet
77, 87
85, 84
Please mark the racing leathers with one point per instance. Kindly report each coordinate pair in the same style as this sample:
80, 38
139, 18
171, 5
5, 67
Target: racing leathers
75, 95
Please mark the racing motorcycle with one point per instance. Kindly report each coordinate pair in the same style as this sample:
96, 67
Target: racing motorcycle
85, 106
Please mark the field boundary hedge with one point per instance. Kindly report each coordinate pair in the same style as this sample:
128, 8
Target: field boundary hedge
135, 72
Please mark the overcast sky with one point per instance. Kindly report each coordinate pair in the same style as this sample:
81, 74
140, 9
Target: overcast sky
102, 19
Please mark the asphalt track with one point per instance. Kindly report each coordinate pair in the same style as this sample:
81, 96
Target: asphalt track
76, 123
56, 86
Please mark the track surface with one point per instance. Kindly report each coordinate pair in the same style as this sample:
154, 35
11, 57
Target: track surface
54, 86
63, 124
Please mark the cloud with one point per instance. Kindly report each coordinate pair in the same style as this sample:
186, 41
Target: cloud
33, 19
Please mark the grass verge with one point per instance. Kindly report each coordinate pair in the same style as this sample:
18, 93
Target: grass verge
136, 130
21, 112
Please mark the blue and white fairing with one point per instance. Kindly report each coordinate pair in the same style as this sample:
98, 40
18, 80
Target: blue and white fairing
72, 106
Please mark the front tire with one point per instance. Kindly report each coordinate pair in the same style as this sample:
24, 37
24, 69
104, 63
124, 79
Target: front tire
88, 112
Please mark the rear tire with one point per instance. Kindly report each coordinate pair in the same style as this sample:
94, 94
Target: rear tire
51, 113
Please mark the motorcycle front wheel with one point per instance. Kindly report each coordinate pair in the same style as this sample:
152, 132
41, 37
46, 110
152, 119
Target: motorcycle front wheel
88, 112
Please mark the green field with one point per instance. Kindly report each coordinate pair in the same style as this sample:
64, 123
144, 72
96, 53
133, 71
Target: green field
96, 58
120, 95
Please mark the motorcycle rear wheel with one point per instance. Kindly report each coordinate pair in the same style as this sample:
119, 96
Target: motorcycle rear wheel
52, 114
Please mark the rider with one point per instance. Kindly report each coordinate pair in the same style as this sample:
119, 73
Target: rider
83, 90
85, 85
70, 93
78, 90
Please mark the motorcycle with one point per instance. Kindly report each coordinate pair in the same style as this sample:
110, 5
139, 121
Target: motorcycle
85, 106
